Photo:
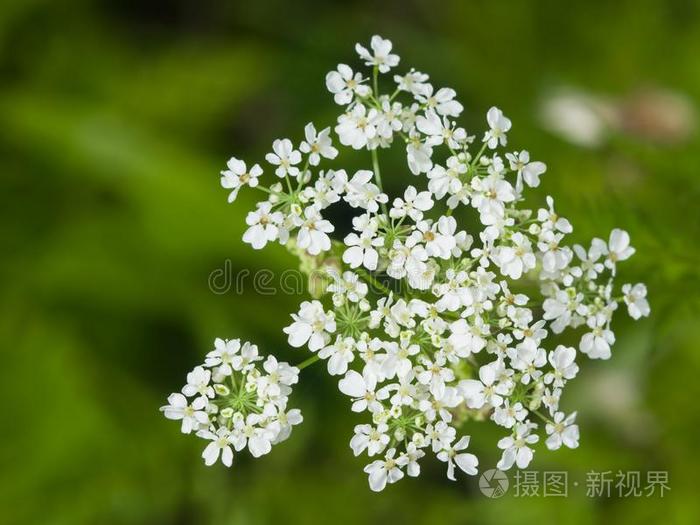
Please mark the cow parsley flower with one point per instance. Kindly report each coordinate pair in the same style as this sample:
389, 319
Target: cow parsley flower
237, 176
381, 55
285, 157
318, 145
635, 298
236, 403
442, 308
499, 125
344, 84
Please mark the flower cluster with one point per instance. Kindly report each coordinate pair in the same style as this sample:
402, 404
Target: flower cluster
234, 403
426, 325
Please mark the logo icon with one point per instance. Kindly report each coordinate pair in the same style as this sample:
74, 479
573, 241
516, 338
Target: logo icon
493, 483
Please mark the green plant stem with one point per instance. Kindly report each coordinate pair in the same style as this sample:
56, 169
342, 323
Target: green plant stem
308, 362
378, 177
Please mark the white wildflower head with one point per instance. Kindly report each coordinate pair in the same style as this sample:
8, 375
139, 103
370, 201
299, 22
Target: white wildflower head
425, 324
236, 400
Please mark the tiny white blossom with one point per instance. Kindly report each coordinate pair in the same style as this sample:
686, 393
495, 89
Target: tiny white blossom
635, 298
318, 145
381, 55
527, 171
413, 204
516, 448
311, 325
414, 82
220, 445
192, 415
313, 233
618, 248
344, 85
562, 431
237, 176
465, 461
499, 125
263, 226
285, 157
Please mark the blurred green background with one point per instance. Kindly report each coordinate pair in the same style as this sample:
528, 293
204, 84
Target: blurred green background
115, 119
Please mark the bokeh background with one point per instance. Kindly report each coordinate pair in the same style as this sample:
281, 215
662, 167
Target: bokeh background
115, 119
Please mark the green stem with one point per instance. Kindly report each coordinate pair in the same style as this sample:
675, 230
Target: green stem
308, 362
378, 177
375, 282
478, 156
375, 82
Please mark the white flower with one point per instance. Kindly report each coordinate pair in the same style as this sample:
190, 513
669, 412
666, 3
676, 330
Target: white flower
488, 389
344, 85
440, 237
279, 378
442, 101
468, 338
491, 194
596, 344
311, 325
244, 361
555, 256
413, 204
439, 130
466, 462
516, 448
635, 298
527, 171
317, 145
198, 383
398, 358
220, 445
192, 415
361, 193
313, 233
372, 439
284, 157
551, 221
448, 339
508, 415
385, 471
414, 82
389, 120
562, 431
263, 226
349, 287
517, 259
362, 249
362, 390
498, 127
405, 258
381, 54
223, 355
284, 422
441, 435
619, 248
418, 154
560, 309
357, 127
412, 455
248, 432
237, 176
443, 181
563, 361
435, 374
339, 355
